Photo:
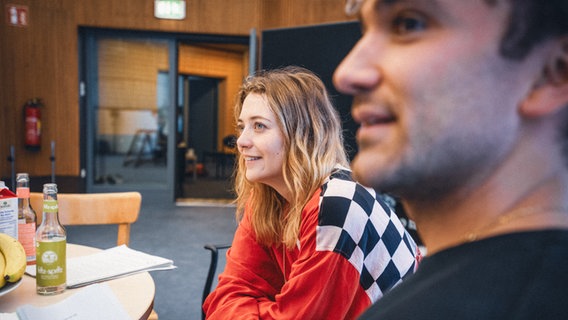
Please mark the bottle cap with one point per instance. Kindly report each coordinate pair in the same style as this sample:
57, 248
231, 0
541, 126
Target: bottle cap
50, 187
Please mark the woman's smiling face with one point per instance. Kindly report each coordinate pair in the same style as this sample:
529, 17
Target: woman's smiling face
261, 143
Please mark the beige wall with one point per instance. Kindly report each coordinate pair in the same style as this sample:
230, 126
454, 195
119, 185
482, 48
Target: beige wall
41, 60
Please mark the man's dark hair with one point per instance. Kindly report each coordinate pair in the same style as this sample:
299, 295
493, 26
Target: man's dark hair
531, 22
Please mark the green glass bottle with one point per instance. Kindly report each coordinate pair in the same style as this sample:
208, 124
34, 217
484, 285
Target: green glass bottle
51, 243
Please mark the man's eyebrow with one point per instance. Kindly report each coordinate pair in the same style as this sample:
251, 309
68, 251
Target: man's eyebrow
379, 3
387, 3
353, 7
384, 5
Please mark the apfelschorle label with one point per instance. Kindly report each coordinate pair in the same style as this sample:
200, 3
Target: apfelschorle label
50, 206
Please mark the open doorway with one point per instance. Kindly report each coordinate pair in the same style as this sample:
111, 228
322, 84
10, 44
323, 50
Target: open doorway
206, 176
206, 146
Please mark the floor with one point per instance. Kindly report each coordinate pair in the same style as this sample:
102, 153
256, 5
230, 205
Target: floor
175, 232
211, 182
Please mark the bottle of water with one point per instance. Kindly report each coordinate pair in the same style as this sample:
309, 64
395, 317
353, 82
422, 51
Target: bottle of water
51, 243
26, 217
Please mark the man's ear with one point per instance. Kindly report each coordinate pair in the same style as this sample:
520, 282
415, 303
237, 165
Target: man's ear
550, 93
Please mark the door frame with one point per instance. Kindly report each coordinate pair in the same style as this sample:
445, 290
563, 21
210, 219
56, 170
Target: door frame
88, 94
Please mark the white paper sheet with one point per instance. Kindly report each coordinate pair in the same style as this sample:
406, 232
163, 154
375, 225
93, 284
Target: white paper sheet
109, 264
92, 303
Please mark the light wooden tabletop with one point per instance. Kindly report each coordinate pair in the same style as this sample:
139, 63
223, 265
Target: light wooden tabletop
135, 292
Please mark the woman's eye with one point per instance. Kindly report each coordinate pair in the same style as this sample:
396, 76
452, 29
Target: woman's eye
259, 126
408, 23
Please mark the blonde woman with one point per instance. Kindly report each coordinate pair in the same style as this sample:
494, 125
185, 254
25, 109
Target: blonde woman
311, 242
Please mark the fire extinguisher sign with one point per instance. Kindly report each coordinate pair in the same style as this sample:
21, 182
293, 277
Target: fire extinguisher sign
17, 15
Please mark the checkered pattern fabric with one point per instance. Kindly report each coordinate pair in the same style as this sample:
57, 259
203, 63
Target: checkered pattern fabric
355, 222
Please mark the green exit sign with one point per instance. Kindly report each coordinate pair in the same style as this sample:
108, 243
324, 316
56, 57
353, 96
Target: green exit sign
169, 9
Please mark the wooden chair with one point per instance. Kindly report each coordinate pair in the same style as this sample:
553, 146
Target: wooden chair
120, 208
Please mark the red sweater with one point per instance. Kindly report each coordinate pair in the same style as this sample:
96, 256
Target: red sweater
324, 276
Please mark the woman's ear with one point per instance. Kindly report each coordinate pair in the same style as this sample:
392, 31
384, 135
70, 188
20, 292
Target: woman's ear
550, 93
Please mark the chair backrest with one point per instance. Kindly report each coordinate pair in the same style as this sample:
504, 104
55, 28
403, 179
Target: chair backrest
229, 142
120, 208
214, 248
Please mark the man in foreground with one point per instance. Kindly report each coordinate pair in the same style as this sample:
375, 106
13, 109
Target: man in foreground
463, 113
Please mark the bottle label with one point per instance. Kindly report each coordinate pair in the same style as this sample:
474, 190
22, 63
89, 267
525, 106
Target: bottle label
51, 267
23, 193
50, 206
26, 236
9, 216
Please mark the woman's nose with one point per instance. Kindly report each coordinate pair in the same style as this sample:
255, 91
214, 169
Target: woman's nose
243, 141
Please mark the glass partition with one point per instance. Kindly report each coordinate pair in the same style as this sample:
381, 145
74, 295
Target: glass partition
131, 111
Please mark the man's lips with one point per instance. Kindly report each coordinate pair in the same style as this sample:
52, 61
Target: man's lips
370, 117
376, 120
374, 126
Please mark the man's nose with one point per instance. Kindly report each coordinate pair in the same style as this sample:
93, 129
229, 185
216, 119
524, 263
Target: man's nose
359, 71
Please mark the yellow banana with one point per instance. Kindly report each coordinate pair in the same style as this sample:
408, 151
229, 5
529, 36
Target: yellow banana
15, 257
2, 269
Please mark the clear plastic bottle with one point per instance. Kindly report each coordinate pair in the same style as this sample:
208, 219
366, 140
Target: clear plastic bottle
27, 218
51, 242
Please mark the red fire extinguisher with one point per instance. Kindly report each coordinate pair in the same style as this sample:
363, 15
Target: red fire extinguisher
32, 116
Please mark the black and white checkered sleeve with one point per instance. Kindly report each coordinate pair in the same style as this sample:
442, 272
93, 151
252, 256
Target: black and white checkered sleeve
354, 223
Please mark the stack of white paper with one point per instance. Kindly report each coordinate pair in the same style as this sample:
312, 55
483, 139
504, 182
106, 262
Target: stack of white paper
109, 264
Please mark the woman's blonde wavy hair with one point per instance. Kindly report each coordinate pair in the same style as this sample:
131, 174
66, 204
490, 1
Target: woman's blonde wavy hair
313, 145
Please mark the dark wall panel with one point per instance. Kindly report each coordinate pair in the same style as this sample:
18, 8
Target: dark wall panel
319, 48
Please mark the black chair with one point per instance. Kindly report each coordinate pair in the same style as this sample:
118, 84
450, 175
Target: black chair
212, 270
224, 159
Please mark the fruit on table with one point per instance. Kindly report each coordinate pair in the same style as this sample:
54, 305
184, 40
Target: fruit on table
2, 269
14, 259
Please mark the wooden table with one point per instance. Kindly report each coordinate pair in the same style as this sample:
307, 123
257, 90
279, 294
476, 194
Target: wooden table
135, 292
